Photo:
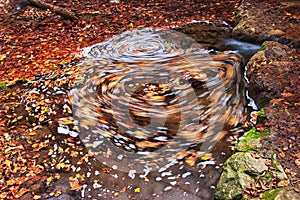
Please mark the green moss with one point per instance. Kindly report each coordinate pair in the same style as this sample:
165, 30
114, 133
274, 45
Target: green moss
275, 163
261, 112
268, 176
270, 194
246, 149
253, 133
250, 141
2, 86
263, 47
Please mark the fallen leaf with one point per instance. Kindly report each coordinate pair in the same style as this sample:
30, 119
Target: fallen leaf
21, 192
297, 161
75, 185
283, 183
137, 190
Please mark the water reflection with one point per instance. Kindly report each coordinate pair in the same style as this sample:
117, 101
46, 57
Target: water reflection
151, 106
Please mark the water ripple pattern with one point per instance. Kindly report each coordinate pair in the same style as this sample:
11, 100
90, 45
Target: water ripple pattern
153, 98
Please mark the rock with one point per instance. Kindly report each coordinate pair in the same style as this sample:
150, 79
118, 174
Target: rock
242, 170
280, 194
230, 190
252, 143
279, 173
258, 25
275, 60
208, 34
287, 194
277, 32
238, 172
273, 75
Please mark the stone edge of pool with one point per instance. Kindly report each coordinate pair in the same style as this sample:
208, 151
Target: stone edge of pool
270, 70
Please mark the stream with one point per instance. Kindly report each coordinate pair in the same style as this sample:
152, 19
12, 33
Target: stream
159, 112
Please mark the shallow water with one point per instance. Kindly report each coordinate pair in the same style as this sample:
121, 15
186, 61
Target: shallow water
155, 109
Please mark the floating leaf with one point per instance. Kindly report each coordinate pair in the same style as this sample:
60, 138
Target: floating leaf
137, 190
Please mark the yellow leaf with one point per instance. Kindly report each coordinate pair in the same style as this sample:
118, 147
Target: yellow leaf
206, 157
2, 57
80, 176
49, 179
7, 162
23, 168
137, 190
32, 133
116, 194
37, 197
11, 182
3, 195
42, 118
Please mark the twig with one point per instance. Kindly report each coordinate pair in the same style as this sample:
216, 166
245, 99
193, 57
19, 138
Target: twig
58, 10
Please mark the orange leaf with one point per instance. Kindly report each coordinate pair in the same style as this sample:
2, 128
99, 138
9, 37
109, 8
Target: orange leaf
75, 185
21, 192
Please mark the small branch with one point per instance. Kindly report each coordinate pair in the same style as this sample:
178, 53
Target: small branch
58, 10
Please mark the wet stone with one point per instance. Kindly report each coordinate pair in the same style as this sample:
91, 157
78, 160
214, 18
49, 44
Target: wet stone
258, 25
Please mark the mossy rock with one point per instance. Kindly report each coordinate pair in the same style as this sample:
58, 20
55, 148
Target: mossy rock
285, 194
270, 194
232, 190
280, 194
239, 171
248, 145
251, 141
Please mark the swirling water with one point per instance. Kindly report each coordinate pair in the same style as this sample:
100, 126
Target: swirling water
152, 105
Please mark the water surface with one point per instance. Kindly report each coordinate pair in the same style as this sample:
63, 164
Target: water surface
156, 109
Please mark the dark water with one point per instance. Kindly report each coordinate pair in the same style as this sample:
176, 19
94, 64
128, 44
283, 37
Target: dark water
156, 110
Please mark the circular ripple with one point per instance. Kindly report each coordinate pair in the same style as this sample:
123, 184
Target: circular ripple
155, 97
145, 44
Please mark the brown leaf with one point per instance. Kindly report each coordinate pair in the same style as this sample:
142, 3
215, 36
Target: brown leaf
21, 192
283, 183
297, 161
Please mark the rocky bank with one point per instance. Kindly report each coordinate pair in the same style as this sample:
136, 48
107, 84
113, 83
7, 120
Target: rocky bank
267, 167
